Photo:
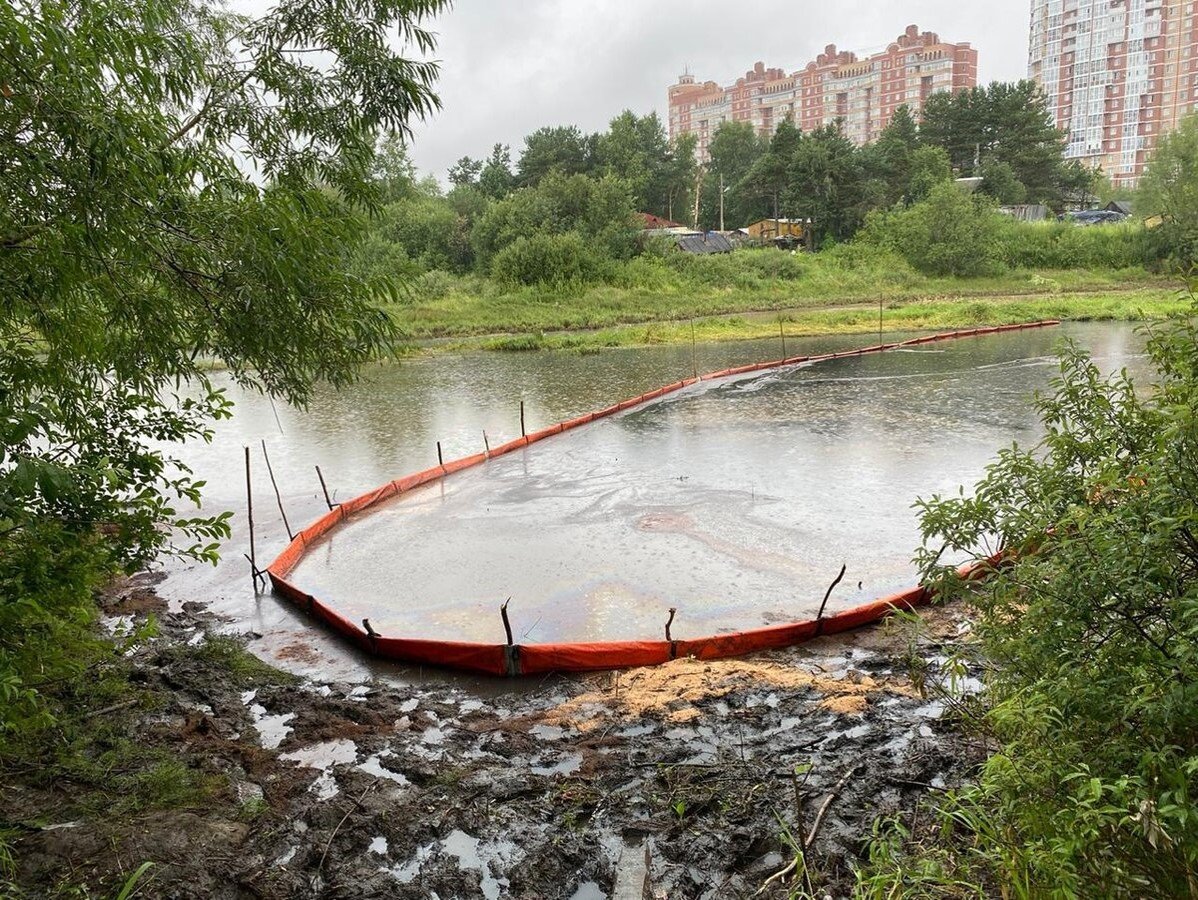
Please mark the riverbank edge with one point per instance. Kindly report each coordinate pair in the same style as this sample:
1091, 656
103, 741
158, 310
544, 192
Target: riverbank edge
1133, 304
786, 729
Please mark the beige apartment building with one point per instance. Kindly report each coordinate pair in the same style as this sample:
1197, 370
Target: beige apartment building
1118, 74
863, 93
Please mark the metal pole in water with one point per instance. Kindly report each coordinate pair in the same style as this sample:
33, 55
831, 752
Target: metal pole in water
249, 507
278, 496
440, 458
523, 432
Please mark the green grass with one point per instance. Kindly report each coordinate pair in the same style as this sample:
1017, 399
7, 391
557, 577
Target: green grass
897, 315
228, 655
833, 292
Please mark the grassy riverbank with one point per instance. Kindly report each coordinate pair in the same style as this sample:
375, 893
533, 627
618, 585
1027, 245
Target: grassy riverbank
896, 315
653, 301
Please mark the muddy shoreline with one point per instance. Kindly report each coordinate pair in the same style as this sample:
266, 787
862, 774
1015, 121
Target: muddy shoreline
690, 780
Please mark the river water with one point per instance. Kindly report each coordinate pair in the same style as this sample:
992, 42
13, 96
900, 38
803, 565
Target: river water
735, 501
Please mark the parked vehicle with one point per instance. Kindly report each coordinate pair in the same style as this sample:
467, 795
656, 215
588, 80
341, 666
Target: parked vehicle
1088, 217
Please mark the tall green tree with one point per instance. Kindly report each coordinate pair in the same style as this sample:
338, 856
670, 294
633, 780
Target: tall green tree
496, 179
734, 149
636, 150
179, 182
888, 160
598, 210
926, 168
1169, 189
1000, 125
770, 176
827, 184
563, 149
465, 171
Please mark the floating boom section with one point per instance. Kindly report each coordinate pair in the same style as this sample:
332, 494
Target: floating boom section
537, 659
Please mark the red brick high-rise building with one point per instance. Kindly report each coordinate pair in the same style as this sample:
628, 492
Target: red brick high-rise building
837, 85
1118, 74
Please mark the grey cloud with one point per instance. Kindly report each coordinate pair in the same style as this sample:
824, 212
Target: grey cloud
511, 67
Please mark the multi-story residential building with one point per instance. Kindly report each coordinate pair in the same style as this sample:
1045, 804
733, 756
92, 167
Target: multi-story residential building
837, 85
1118, 74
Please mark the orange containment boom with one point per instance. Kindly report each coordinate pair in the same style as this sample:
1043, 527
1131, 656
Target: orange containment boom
536, 659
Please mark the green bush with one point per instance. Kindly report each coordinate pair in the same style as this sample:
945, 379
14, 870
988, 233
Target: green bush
949, 233
600, 210
750, 265
1090, 636
552, 259
1063, 245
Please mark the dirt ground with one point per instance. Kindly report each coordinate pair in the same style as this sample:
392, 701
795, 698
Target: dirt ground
692, 780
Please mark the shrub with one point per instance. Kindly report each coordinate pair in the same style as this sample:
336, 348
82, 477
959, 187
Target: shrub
434, 285
1062, 245
950, 233
1090, 636
554, 259
599, 210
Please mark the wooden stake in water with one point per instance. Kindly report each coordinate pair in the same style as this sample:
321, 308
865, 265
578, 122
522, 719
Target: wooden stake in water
324, 487
669, 622
249, 507
486, 444
507, 625
694, 357
440, 458
782, 334
278, 496
523, 432
879, 321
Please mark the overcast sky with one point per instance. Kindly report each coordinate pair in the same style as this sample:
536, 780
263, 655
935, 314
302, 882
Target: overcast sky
511, 67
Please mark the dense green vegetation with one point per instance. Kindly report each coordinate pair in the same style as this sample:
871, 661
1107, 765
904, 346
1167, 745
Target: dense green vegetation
553, 241
179, 183
566, 182
1089, 642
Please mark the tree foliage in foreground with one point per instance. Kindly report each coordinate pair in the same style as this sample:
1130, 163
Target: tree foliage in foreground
178, 182
1092, 636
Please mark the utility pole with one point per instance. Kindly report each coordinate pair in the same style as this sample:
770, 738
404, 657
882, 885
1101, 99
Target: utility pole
721, 201
698, 193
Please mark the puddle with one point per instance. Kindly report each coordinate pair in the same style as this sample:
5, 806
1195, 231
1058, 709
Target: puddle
567, 766
272, 729
471, 855
379, 846
933, 710
433, 736
547, 732
324, 756
407, 873
467, 850
589, 890
374, 766
325, 787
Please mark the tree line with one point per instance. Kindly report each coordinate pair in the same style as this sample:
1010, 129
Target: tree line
589, 187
